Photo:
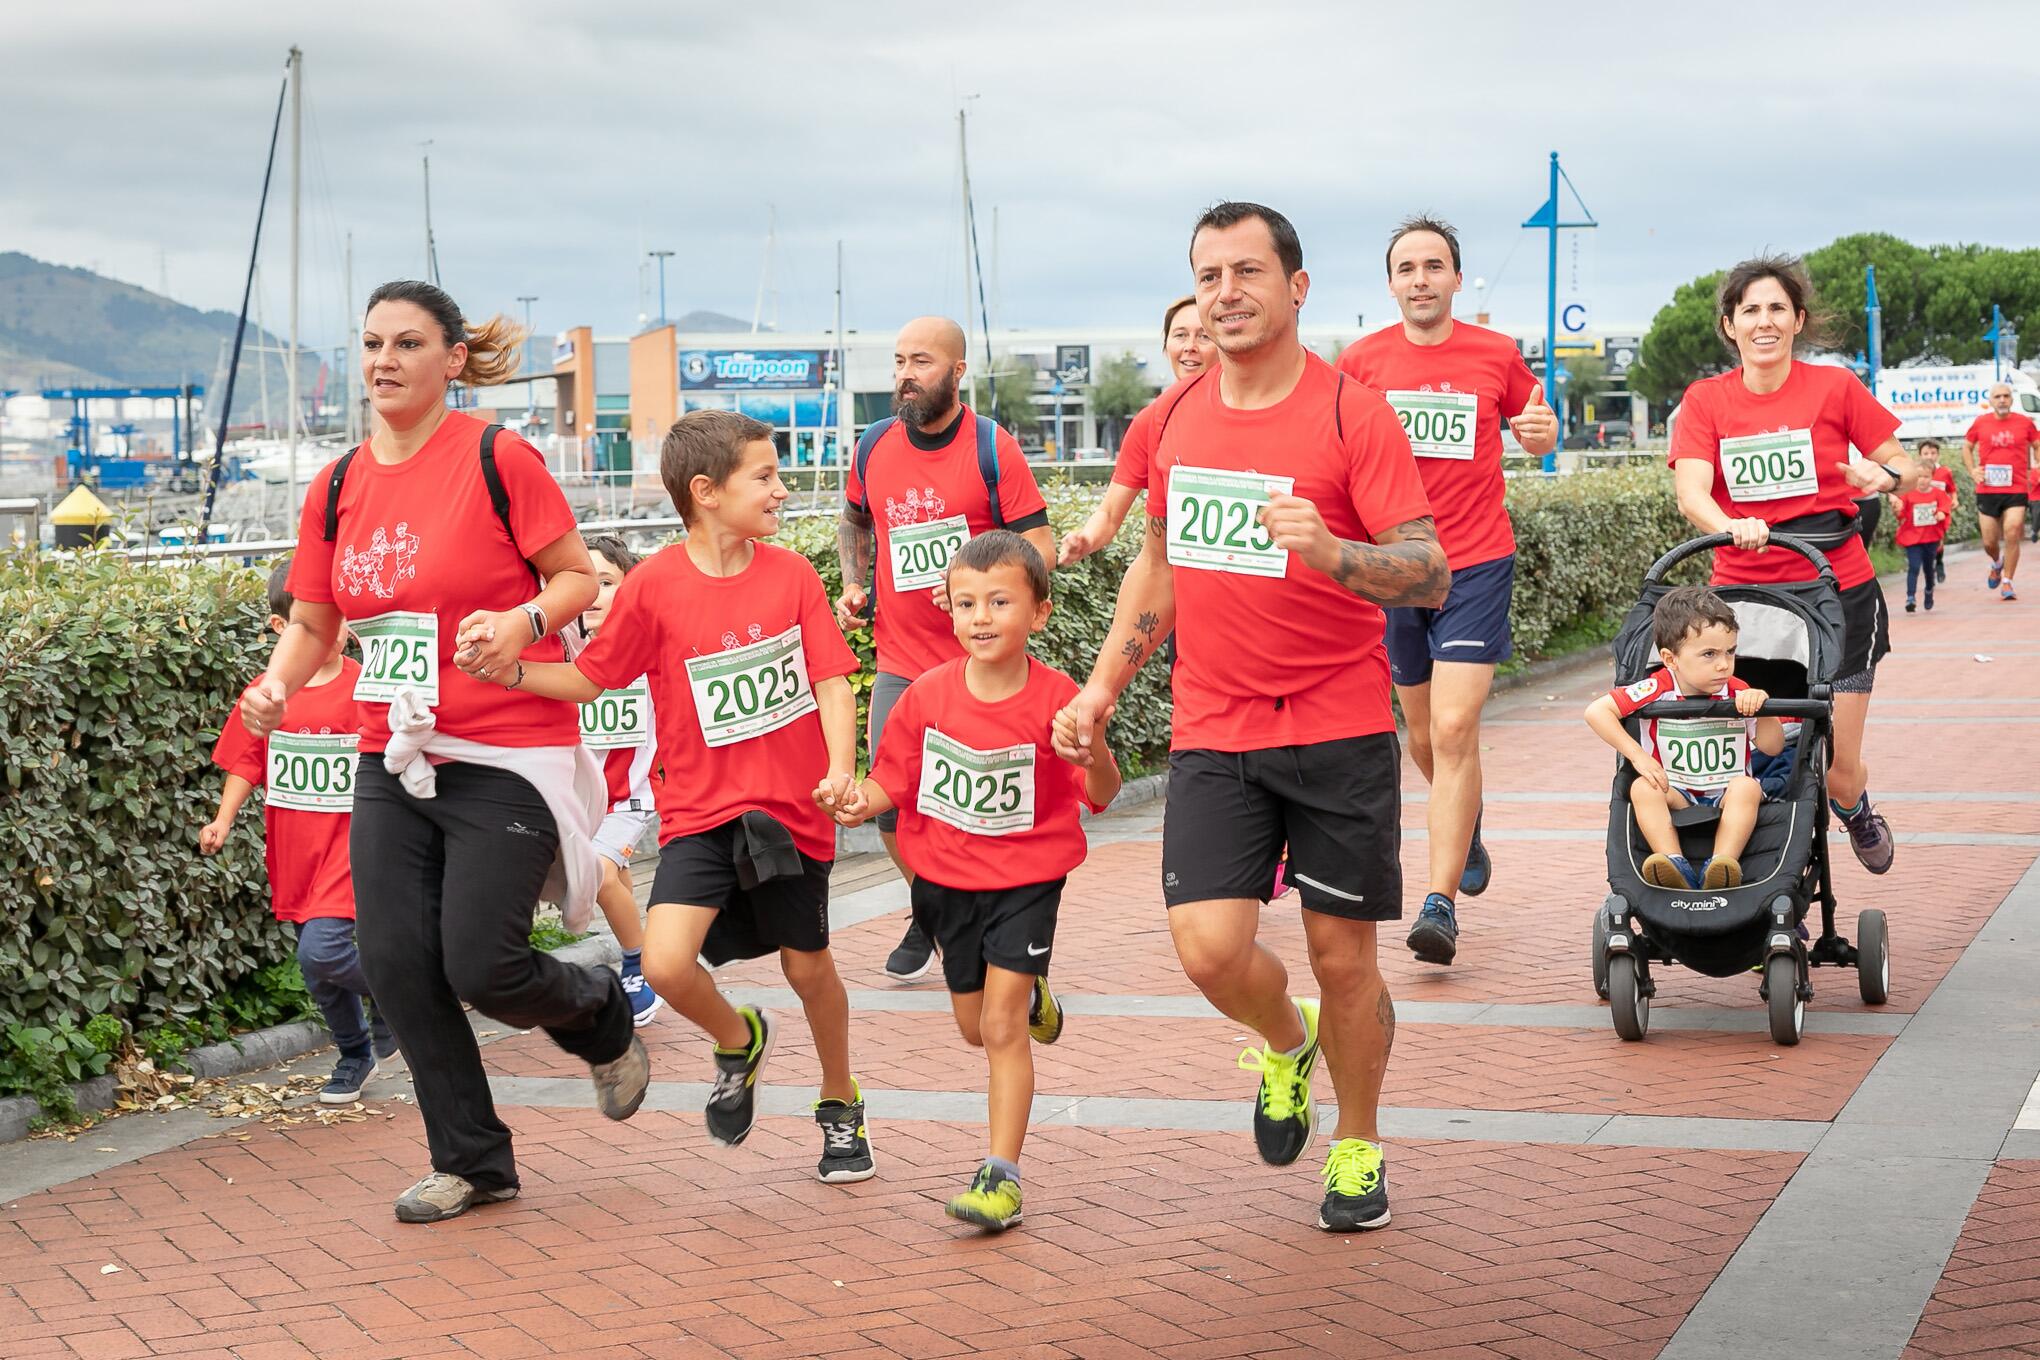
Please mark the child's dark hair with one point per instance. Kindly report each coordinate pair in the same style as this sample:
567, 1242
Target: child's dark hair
1004, 548
280, 599
705, 444
1684, 611
612, 547
1926, 444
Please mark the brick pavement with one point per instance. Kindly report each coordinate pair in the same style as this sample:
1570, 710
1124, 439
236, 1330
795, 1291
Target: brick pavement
641, 1239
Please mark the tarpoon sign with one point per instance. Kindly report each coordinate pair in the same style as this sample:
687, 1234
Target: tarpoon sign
754, 370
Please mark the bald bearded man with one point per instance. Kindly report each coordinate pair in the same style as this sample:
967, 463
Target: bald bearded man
924, 481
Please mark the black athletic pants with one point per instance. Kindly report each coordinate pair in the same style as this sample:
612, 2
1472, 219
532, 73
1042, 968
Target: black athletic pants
444, 889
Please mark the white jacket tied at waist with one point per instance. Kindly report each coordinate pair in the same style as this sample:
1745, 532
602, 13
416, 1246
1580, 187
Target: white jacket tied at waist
568, 778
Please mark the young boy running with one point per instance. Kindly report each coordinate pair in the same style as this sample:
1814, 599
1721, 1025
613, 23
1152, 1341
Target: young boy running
1687, 761
620, 726
989, 828
748, 676
307, 767
1922, 520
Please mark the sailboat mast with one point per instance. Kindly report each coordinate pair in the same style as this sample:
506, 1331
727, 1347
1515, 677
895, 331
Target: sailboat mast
431, 247
842, 412
963, 160
350, 361
297, 119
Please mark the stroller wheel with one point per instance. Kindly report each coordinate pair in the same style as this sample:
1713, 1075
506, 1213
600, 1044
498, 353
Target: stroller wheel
1627, 1004
1781, 990
1873, 958
1601, 953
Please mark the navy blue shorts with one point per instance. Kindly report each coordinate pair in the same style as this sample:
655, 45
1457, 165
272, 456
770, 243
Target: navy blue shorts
1472, 626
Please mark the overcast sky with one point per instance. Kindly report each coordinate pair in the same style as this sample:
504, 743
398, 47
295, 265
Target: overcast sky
569, 139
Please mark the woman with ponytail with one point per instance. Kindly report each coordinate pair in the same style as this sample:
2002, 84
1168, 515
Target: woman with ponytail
468, 794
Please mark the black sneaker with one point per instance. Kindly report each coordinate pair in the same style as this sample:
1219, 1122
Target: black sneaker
1910, 607
380, 1034
1479, 870
1940, 573
1285, 1116
349, 1076
912, 957
1356, 1188
733, 1105
846, 1148
1435, 936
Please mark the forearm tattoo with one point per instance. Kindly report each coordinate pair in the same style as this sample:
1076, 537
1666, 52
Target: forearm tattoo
856, 547
1409, 571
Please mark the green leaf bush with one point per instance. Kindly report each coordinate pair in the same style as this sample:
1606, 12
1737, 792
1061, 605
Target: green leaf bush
115, 678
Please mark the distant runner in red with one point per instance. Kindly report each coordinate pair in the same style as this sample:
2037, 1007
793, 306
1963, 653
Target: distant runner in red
922, 484
1927, 454
1766, 446
1284, 513
2003, 449
1451, 385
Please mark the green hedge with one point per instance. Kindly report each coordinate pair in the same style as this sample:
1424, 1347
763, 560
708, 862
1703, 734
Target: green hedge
115, 677
114, 680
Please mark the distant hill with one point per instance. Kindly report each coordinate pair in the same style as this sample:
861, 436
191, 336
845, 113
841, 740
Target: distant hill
64, 326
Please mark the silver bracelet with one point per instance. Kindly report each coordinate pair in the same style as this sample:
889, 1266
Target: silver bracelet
538, 621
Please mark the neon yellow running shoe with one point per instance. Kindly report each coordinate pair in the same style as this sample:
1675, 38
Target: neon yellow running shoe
993, 1200
1356, 1188
1285, 1117
1045, 1016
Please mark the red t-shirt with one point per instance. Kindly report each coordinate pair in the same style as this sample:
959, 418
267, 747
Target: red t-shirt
1130, 468
910, 485
1823, 405
758, 642
2006, 444
1266, 661
1662, 684
1011, 849
420, 537
1944, 478
1933, 498
306, 851
1461, 463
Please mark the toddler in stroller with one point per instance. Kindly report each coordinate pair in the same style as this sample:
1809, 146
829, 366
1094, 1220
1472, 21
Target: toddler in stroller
1689, 762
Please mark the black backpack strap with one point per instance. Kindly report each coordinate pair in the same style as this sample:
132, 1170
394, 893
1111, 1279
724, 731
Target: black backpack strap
866, 442
499, 497
988, 466
1338, 405
333, 484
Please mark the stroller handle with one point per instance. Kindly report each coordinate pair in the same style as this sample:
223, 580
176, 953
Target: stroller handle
1709, 542
1725, 708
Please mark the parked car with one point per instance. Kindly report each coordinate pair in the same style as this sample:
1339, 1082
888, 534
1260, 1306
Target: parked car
1602, 434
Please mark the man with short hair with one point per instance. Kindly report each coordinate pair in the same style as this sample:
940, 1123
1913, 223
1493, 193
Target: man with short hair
1451, 385
922, 483
1285, 511
2001, 446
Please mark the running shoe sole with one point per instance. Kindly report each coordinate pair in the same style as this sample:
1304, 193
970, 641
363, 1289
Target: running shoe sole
417, 1211
981, 1220
1432, 943
1369, 1226
646, 1016
916, 975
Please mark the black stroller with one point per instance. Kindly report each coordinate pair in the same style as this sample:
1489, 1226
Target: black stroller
1789, 644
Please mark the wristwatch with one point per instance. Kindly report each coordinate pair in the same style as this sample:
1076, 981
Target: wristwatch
538, 622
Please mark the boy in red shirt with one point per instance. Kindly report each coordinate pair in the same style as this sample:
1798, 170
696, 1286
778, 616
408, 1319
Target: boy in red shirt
307, 767
1684, 761
748, 675
989, 829
621, 727
1922, 526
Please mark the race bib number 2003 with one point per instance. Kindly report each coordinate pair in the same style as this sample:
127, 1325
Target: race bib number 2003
1214, 521
920, 553
312, 772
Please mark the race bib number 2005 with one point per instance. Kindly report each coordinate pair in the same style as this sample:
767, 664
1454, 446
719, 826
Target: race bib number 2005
1703, 753
1214, 521
986, 793
1439, 424
749, 691
1769, 467
618, 719
398, 651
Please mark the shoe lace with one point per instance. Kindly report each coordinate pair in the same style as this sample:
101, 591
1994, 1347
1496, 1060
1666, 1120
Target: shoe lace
1281, 1092
1354, 1168
728, 1086
840, 1137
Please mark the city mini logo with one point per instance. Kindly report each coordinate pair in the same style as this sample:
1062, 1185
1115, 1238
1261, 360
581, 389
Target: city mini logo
1699, 903
390, 559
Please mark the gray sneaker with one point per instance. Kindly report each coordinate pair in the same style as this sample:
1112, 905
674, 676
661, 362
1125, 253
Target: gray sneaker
1870, 837
443, 1195
620, 1085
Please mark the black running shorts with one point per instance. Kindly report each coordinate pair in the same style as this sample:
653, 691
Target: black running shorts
1010, 928
1993, 504
1337, 805
787, 913
1866, 629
